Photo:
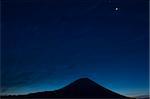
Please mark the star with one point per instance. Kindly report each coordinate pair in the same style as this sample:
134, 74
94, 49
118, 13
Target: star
116, 9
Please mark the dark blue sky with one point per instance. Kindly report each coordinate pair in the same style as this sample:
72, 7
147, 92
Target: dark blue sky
46, 44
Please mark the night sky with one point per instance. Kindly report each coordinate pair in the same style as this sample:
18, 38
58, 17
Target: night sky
46, 44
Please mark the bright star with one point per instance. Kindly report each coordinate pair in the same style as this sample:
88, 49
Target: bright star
116, 9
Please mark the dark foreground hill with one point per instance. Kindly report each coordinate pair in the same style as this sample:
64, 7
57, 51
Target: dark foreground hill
82, 88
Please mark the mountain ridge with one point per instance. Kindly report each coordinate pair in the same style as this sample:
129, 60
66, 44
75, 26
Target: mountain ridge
80, 88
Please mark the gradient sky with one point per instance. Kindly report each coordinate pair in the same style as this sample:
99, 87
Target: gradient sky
46, 44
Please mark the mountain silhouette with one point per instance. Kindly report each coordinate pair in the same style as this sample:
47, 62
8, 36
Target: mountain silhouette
81, 88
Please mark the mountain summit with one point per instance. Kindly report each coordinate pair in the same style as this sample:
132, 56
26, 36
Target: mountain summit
86, 88
81, 88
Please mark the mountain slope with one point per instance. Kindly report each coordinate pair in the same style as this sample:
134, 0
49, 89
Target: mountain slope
81, 88
85, 87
